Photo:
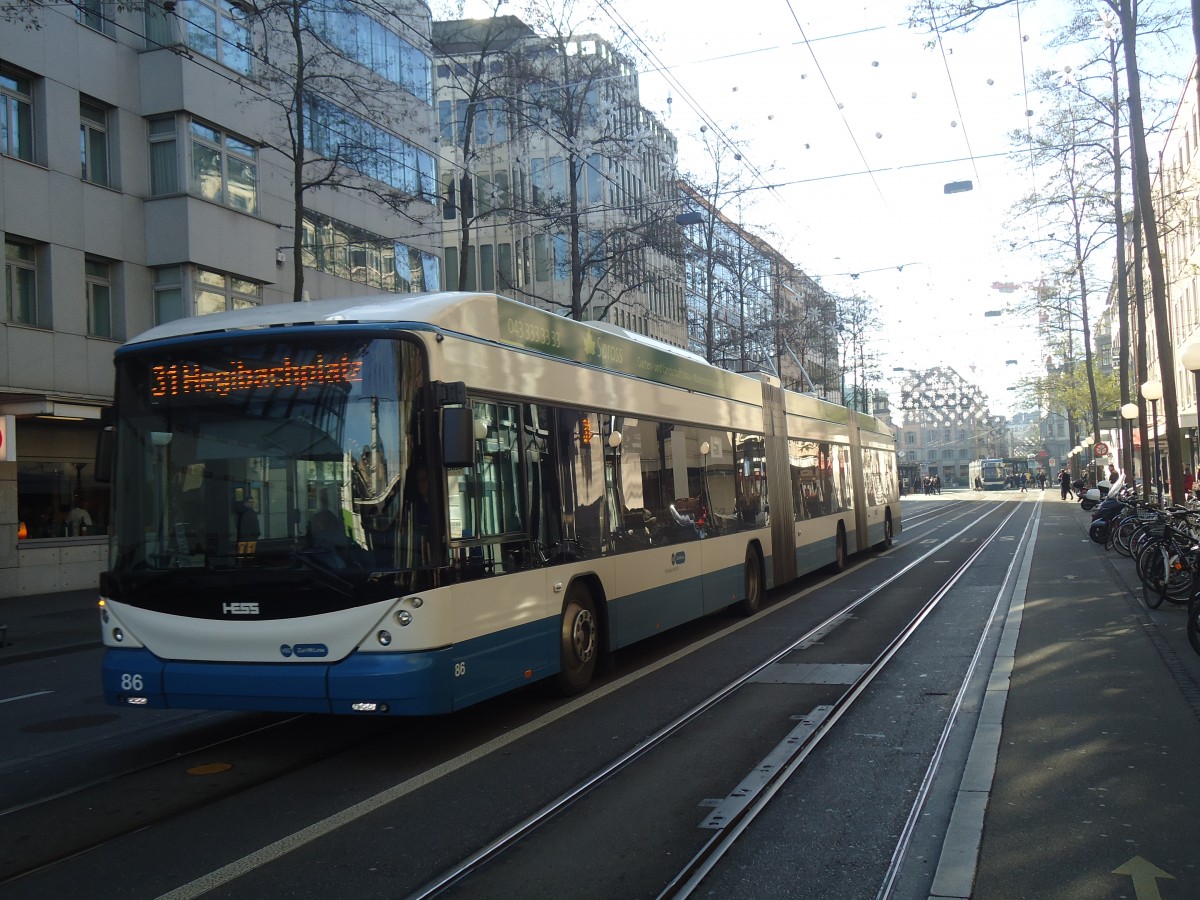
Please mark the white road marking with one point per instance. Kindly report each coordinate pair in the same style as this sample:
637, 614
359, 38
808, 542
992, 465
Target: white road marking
25, 696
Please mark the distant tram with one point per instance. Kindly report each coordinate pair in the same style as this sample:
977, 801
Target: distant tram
989, 474
406, 504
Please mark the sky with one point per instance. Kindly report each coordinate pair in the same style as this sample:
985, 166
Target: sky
857, 123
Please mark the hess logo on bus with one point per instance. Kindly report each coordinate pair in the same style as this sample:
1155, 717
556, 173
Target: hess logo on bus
240, 609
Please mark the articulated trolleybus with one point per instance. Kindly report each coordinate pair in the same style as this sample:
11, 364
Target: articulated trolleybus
988, 474
407, 504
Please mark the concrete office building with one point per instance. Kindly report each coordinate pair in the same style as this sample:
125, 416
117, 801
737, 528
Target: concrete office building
146, 175
507, 176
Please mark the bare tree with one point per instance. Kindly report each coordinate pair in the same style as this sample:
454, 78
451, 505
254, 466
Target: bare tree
315, 65
946, 15
476, 118
717, 249
858, 318
601, 198
1071, 210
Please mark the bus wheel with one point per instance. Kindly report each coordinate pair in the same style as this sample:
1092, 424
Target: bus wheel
839, 562
752, 570
579, 639
887, 532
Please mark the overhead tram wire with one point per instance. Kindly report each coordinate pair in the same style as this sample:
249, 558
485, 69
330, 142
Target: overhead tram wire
953, 89
670, 202
1030, 163
249, 85
658, 65
754, 50
833, 97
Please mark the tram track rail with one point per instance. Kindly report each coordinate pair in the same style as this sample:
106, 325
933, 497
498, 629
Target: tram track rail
54, 846
941, 517
751, 799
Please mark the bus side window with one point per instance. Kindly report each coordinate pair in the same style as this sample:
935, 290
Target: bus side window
542, 495
581, 460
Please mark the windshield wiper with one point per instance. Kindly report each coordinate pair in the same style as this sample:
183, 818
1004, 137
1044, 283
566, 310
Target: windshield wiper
326, 573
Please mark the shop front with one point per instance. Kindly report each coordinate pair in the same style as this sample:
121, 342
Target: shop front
53, 511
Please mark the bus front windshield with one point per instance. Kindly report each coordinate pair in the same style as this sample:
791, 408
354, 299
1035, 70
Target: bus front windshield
297, 459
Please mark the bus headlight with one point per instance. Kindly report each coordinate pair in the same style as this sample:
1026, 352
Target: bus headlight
384, 637
118, 635
403, 617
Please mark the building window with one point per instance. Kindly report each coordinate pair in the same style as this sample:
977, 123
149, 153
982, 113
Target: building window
910, 438
159, 25
16, 116
543, 258
164, 157
91, 14
98, 286
93, 142
219, 31
20, 282
348, 251
210, 292
490, 122
374, 45
216, 292
168, 294
487, 267
370, 150
224, 169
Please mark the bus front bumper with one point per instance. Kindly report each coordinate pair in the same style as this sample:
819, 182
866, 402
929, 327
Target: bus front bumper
401, 684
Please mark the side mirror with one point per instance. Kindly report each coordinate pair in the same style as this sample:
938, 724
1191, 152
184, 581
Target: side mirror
458, 437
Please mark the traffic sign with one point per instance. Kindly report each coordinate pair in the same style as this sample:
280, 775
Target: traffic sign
1100, 450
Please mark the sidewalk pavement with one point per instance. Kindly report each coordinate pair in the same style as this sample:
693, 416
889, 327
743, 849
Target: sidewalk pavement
48, 624
1094, 791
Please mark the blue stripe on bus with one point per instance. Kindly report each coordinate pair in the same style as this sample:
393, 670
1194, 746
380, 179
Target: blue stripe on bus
875, 533
810, 557
723, 588
409, 683
421, 683
636, 616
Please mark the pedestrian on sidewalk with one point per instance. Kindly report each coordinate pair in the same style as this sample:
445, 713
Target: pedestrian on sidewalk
1064, 481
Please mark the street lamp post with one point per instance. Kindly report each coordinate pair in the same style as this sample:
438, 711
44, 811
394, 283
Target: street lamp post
1152, 390
1129, 412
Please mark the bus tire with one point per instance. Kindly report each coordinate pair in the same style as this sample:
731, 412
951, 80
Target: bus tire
752, 574
579, 640
887, 532
839, 562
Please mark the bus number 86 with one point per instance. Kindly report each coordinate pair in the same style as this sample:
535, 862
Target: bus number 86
131, 682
